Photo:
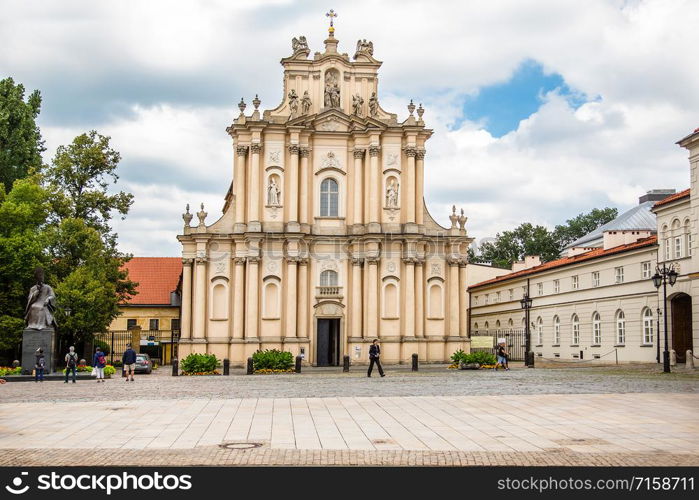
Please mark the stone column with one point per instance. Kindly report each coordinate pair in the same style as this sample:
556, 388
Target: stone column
463, 299
419, 297
304, 180
373, 285
291, 298
409, 294
240, 187
186, 319
419, 186
292, 177
239, 298
409, 176
374, 182
302, 299
356, 319
358, 186
252, 292
199, 328
254, 203
453, 297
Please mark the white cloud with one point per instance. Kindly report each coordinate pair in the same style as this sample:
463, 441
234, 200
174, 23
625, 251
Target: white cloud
178, 68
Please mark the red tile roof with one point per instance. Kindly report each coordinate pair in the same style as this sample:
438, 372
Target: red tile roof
672, 197
592, 254
156, 277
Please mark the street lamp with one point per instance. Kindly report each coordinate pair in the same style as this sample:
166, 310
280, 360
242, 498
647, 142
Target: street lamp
657, 338
661, 277
526, 303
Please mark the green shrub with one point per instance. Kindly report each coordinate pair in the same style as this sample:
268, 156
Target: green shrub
272, 359
109, 370
199, 363
7, 370
459, 355
480, 357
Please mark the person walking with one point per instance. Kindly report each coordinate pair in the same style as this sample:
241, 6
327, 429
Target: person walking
71, 363
128, 360
374, 355
501, 353
39, 365
99, 362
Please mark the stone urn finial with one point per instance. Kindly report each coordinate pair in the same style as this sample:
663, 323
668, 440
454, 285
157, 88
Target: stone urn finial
202, 216
242, 106
453, 217
256, 102
187, 217
420, 112
411, 107
462, 221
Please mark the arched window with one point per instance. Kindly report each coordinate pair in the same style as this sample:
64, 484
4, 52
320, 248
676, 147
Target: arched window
575, 329
539, 331
218, 302
328, 278
435, 310
688, 237
487, 327
556, 331
475, 328
390, 301
329, 198
497, 325
510, 324
620, 328
647, 326
596, 329
270, 304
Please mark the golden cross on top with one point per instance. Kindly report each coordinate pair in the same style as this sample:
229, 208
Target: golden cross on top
331, 15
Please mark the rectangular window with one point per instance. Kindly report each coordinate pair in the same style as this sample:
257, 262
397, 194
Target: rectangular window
575, 282
131, 324
678, 247
645, 270
540, 288
556, 286
667, 248
485, 298
618, 275
475, 300
512, 294
497, 297
154, 324
648, 329
595, 278
556, 333
689, 244
175, 324
596, 332
576, 333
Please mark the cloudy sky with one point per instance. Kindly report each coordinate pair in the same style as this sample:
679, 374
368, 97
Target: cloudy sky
541, 109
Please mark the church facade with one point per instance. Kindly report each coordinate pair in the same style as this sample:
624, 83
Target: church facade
325, 242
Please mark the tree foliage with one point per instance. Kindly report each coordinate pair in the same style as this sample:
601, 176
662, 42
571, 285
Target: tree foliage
20, 138
527, 239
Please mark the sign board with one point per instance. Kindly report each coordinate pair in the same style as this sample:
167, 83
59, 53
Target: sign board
481, 341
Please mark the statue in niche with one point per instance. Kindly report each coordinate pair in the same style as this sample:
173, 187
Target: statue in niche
306, 103
298, 44
392, 194
273, 193
293, 102
41, 304
366, 47
332, 91
357, 102
373, 105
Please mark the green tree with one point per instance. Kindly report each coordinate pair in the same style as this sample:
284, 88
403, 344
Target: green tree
79, 179
22, 242
579, 226
20, 138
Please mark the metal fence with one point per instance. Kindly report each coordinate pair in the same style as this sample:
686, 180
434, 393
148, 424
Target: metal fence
486, 340
160, 345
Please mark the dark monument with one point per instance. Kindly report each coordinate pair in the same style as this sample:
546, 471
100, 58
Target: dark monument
40, 331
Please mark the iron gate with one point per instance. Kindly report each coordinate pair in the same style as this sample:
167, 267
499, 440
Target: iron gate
515, 341
160, 345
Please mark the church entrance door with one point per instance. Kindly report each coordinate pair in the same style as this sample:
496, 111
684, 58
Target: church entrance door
681, 325
328, 342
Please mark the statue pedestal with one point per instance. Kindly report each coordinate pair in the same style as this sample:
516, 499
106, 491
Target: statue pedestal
33, 340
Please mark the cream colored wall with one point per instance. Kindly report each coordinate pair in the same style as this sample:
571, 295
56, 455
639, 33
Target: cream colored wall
143, 315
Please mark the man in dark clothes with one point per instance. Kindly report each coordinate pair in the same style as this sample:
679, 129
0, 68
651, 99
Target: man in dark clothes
374, 354
128, 360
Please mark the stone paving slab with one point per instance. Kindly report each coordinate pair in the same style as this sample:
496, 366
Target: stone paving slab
588, 423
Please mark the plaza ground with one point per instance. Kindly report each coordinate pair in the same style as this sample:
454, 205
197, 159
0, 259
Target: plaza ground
626, 415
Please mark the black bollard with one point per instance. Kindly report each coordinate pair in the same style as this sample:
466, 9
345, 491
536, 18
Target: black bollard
415, 362
298, 364
175, 367
345, 363
251, 368
226, 366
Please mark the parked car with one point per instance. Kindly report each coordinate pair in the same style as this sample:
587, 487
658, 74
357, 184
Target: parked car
143, 363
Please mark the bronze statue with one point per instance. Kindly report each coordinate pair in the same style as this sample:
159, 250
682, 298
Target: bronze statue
40, 305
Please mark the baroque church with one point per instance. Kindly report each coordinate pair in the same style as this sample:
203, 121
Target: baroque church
325, 242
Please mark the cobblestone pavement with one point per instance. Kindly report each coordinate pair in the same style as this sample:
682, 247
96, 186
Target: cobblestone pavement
430, 381
214, 455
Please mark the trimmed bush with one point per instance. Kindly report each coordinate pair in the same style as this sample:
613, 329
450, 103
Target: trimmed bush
6, 370
272, 359
109, 370
480, 357
199, 364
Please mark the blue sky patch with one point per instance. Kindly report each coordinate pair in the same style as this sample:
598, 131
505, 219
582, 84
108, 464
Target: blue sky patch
502, 106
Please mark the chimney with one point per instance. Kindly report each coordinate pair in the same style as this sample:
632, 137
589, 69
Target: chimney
655, 195
531, 261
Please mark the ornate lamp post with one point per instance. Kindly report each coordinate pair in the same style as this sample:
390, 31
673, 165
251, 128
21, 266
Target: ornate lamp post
661, 277
657, 338
526, 303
